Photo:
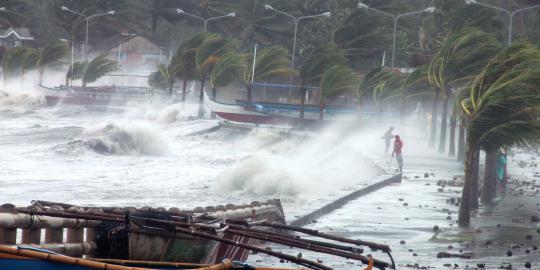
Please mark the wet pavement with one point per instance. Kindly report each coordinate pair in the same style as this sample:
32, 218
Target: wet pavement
417, 218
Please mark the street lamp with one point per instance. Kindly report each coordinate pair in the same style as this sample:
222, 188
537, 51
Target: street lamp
396, 18
87, 18
508, 12
205, 21
296, 20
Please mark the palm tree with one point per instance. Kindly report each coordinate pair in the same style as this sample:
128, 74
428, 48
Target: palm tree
336, 80
207, 55
314, 67
51, 55
156, 80
75, 72
502, 110
227, 70
270, 63
463, 54
97, 68
14, 61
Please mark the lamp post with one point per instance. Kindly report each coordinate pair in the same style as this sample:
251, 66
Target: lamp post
396, 19
205, 21
87, 18
508, 12
296, 20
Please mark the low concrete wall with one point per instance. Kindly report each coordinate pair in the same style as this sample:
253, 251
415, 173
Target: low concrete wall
328, 208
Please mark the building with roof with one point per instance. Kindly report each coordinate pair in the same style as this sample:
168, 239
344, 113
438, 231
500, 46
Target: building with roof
134, 53
15, 37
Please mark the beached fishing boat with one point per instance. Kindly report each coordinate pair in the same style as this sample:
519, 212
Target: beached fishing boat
103, 96
203, 237
125, 233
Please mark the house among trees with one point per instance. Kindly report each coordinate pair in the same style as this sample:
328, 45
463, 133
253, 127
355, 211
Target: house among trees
135, 54
15, 37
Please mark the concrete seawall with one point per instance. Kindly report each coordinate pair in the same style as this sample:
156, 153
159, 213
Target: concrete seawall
340, 202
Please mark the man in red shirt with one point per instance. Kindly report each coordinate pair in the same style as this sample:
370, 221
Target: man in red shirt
398, 144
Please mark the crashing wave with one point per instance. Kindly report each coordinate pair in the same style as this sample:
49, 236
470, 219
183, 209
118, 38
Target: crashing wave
120, 138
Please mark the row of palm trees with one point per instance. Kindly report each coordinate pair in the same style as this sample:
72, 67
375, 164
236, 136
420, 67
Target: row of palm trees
488, 92
17, 61
210, 58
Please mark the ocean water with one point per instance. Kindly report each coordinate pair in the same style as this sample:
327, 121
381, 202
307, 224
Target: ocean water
155, 155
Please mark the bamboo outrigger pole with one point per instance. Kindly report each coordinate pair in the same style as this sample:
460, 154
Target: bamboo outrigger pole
52, 257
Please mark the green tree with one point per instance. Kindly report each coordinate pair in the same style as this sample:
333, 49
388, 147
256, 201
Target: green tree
207, 55
461, 56
335, 81
226, 71
98, 67
51, 55
314, 67
501, 110
270, 63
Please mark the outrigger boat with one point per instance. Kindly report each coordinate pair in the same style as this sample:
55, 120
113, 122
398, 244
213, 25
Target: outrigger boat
103, 96
204, 238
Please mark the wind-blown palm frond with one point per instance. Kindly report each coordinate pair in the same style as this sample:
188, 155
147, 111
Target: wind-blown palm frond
319, 60
337, 80
51, 55
15, 61
227, 70
270, 63
76, 71
97, 68
211, 50
502, 109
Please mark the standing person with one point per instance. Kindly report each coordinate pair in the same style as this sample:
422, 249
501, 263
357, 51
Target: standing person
387, 137
398, 144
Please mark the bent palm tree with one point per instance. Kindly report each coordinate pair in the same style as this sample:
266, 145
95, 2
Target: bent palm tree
51, 55
502, 110
270, 63
315, 65
207, 55
462, 55
227, 70
75, 71
97, 68
336, 80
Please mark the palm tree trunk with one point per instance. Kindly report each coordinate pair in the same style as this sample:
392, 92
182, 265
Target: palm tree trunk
488, 189
461, 140
171, 85
248, 88
302, 98
452, 145
444, 116
474, 187
184, 89
433, 128
201, 97
464, 218
41, 72
321, 108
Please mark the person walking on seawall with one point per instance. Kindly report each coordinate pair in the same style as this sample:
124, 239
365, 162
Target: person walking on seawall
398, 144
387, 137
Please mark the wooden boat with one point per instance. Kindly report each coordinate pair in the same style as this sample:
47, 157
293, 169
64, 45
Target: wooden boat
152, 237
102, 96
269, 113
111, 234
